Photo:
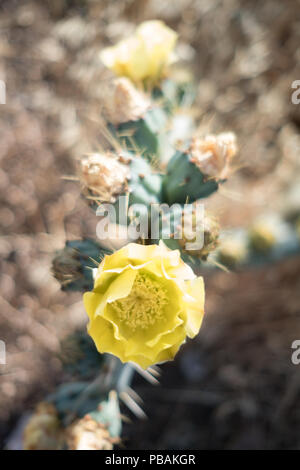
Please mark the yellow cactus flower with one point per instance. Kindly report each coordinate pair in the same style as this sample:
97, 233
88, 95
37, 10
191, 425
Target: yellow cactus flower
144, 55
145, 302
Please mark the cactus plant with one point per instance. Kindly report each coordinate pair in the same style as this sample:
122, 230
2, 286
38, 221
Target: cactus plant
175, 92
145, 135
143, 110
184, 182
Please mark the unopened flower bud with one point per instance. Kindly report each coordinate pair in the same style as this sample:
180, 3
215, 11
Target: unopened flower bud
213, 154
103, 176
207, 228
122, 102
262, 237
232, 252
66, 266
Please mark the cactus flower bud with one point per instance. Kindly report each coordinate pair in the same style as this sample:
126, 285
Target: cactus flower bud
213, 154
122, 102
210, 230
232, 251
104, 176
66, 265
262, 237
133, 120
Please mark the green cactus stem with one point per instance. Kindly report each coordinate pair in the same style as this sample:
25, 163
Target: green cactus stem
209, 229
145, 135
175, 93
233, 250
108, 413
143, 190
79, 356
76, 399
184, 181
121, 180
144, 184
196, 172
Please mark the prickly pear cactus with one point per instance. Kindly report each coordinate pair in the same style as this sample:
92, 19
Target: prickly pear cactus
144, 185
149, 121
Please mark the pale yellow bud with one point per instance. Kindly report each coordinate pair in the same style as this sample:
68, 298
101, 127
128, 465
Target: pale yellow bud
122, 102
213, 154
103, 176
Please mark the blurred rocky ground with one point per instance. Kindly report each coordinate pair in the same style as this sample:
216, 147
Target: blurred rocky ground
238, 388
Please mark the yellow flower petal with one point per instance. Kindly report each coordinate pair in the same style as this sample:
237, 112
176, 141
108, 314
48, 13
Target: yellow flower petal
144, 304
103, 335
119, 288
195, 306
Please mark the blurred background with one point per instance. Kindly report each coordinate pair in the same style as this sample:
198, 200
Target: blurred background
234, 387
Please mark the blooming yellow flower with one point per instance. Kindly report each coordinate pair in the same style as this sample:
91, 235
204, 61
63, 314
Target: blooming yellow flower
143, 55
145, 302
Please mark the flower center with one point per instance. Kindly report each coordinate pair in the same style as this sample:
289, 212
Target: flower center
145, 304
